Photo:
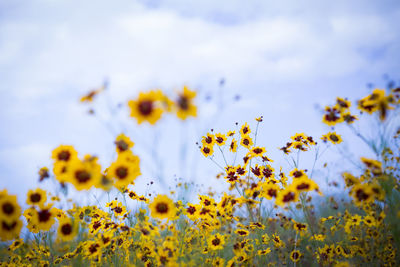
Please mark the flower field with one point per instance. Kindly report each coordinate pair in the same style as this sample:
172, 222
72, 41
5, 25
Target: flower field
269, 215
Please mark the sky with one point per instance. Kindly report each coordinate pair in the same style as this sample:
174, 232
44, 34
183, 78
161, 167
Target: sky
285, 59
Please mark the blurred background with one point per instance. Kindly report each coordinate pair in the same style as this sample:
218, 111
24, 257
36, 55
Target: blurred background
285, 61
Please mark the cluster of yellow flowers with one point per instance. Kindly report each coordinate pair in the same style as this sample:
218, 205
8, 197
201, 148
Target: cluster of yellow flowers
86, 173
150, 106
266, 218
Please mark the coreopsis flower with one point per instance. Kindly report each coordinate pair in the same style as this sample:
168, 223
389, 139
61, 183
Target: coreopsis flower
184, 104
125, 169
36, 197
216, 242
332, 137
287, 196
64, 153
84, 174
162, 207
297, 174
44, 218
220, 139
377, 101
246, 141
332, 116
233, 146
295, 255
67, 229
304, 185
123, 143
362, 193
147, 107
10, 211
207, 150
9, 229
91, 94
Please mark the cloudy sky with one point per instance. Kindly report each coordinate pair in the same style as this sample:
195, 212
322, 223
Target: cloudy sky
284, 58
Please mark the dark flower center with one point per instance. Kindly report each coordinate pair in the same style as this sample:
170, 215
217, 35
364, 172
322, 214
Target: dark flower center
8, 208
303, 186
36, 197
146, 107
162, 208
64, 155
66, 229
288, 197
361, 195
82, 176
122, 172
334, 138
183, 103
121, 145
44, 215
216, 241
7, 226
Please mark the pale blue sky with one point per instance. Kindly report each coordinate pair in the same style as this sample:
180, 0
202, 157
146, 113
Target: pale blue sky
282, 58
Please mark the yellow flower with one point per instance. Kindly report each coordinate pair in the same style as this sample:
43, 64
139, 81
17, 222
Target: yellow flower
216, 241
332, 116
64, 153
125, 169
304, 185
333, 137
123, 143
36, 197
207, 150
295, 255
44, 218
233, 146
362, 193
9, 230
10, 211
269, 190
162, 207
220, 139
147, 107
246, 141
84, 174
286, 196
67, 229
184, 104
245, 130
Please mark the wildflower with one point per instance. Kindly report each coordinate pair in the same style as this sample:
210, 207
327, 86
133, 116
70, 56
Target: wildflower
44, 218
264, 252
268, 172
162, 207
43, 173
207, 150
216, 242
123, 143
246, 141
333, 137
377, 101
233, 146
286, 196
10, 211
67, 229
297, 174
304, 185
124, 171
64, 153
36, 197
257, 151
362, 193
277, 241
184, 104
84, 174
242, 232
9, 229
269, 190
373, 165
245, 130
332, 116
220, 139
295, 255
147, 107
90, 95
